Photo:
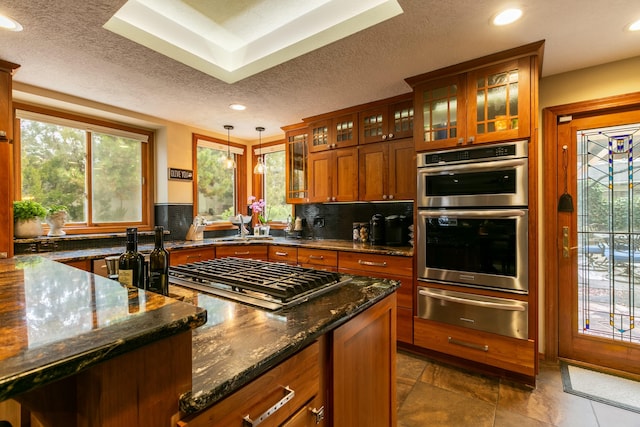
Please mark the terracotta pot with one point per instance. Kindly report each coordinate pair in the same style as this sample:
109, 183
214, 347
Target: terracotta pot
26, 229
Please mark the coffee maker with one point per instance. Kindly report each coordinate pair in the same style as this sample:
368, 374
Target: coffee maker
395, 230
376, 229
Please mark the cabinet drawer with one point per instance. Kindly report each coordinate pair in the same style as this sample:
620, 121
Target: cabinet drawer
185, 256
283, 254
300, 373
317, 258
243, 251
512, 354
393, 265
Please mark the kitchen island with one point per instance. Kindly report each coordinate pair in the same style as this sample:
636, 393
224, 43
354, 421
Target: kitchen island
75, 333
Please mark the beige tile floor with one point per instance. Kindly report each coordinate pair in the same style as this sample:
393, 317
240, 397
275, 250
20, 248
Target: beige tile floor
435, 394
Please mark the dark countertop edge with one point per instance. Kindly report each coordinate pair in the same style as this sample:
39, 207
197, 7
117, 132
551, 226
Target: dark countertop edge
190, 404
336, 245
57, 370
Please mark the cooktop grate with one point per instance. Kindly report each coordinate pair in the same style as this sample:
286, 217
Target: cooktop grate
252, 281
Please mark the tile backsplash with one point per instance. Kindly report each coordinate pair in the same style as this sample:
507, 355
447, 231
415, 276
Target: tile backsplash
339, 217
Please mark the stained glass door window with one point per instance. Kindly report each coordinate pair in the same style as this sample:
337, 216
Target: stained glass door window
608, 208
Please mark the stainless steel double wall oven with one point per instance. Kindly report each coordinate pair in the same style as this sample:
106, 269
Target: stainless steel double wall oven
472, 231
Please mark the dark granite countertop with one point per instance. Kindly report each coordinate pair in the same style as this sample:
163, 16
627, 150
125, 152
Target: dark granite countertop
238, 342
56, 320
339, 245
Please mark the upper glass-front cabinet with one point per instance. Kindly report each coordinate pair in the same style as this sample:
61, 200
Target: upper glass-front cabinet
385, 122
334, 133
297, 166
483, 105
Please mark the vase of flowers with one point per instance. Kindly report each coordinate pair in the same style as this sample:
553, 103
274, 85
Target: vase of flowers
258, 208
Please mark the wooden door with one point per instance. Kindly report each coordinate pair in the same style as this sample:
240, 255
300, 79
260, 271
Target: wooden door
598, 242
373, 171
402, 170
401, 119
364, 376
345, 131
374, 125
320, 176
345, 175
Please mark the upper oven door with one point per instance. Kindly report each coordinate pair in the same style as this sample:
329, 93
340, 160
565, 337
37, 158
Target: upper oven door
498, 183
482, 248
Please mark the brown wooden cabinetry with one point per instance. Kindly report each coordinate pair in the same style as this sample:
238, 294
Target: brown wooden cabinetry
388, 267
387, 121
321, 259
297, 158
260, 252
333, 176
507, 353
286, 254
288, 393
82, 264
364, 368
185, 256
336, 132
387, 171
6, 159
485, 100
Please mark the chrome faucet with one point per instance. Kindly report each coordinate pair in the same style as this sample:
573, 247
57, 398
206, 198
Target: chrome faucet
242, 229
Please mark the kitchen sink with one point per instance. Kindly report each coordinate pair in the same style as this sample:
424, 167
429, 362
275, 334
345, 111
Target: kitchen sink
243, 238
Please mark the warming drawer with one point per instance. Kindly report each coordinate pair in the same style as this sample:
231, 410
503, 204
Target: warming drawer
501, 316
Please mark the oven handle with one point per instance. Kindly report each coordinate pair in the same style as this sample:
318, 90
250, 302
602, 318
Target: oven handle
487, 304
470, 167
492, 213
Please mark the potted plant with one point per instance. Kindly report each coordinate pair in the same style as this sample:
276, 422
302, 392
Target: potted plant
27, 218
56, 218
258, 207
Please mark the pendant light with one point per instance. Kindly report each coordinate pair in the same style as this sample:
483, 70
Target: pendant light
229, 163
260, 168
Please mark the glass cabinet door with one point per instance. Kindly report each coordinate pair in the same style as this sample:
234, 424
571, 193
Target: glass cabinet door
499, 101
319, 135
441, 123
345, 130
297, 166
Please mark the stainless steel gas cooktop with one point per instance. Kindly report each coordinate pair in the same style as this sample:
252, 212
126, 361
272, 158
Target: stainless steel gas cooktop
268, 285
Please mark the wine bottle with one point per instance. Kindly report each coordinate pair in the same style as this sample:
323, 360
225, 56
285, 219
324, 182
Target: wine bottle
159, 265
130, 262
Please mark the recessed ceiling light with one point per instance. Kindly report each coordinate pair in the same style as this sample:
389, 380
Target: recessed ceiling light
237, 107
506, 17
9, 23
635, 26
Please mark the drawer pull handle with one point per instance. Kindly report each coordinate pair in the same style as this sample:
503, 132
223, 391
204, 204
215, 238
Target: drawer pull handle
241, 253
194, 256
282, 253
320, 257
468, 344
318, 414
372, 264
287, 397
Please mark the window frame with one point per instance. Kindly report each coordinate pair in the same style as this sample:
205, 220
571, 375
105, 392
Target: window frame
259, 182
146, 222
241, 179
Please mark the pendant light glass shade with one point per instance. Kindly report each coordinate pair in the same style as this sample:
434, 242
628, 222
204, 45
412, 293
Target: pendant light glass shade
230, 162
260, 168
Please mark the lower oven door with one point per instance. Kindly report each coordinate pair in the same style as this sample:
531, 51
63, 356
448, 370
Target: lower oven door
485, 248
489, 314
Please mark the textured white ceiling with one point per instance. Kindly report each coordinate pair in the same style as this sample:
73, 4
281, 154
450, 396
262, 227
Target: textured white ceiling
65, 48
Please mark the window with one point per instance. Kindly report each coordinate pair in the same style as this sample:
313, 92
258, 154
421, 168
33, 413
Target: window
218, 190
100, 173
274, 183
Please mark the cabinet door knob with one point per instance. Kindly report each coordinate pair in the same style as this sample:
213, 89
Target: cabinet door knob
384, 137
328, 199
472, 139
390, 196
460, 141
391, 135
384, 197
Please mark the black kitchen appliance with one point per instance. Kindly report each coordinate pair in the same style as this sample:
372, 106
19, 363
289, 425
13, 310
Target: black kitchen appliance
263, 284
395, 230
376, 229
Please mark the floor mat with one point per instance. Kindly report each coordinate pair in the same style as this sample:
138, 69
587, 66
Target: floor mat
604, 388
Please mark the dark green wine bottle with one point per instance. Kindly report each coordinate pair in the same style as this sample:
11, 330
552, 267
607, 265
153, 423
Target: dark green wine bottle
130, 268
159, 265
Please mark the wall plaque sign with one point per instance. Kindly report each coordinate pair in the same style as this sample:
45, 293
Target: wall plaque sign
181, 174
